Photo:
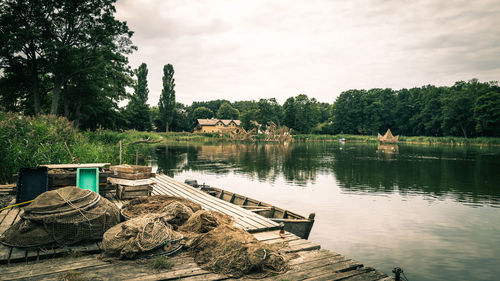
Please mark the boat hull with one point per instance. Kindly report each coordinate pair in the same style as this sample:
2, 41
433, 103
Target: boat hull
294, 223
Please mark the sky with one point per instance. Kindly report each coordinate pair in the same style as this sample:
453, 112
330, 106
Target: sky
253, 49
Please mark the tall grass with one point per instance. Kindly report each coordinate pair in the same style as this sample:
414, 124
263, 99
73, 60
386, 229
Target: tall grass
31, 141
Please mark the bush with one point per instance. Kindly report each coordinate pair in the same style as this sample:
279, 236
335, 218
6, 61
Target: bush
27, 141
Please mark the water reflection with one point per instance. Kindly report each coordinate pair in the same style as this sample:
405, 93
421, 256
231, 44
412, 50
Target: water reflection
465, 174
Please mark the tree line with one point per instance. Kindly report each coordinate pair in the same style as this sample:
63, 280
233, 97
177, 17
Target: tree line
69, 58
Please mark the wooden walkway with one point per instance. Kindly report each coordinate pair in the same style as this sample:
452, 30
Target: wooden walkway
248, 220
309, 263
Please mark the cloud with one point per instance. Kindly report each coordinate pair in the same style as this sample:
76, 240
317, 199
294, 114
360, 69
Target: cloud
240, 50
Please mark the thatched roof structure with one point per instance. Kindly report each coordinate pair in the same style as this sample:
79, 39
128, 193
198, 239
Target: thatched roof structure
388, 137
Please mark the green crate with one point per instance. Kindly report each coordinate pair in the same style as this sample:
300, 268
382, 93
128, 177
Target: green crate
88, 178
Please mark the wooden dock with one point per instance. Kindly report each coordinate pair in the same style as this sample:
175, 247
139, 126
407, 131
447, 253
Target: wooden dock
310, 262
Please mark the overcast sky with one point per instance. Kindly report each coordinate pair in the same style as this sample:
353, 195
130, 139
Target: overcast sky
243, 50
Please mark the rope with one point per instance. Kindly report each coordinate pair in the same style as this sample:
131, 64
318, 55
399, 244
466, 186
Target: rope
22, 203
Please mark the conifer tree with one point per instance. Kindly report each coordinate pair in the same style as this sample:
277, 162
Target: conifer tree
138, 109
166, 105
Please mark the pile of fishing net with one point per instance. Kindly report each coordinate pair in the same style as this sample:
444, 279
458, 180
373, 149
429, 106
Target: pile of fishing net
150, 223
223, 248
63, 216
204, 221
140, 234
216, 245
158, 204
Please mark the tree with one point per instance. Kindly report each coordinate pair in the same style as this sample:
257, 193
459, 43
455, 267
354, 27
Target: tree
202, 113
301, 113
138, 113
21, 52
269, 110
166, 105
487, 113
68, 41
458, 107
226, 111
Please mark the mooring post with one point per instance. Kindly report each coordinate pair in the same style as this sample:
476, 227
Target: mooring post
397, 273
120, 152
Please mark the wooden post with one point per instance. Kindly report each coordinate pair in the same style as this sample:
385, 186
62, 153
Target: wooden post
136, 157
120, 152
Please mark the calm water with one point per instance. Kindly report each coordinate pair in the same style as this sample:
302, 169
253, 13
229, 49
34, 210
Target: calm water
432, 210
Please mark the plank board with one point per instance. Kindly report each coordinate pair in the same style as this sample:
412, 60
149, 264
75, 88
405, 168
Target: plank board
131, 182
252, 222
75, 166
9, 219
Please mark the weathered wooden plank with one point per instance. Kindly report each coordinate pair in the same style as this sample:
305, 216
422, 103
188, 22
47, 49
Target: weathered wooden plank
47, 263
239, 220
281, 240
9, 219
270, 235
310, 270
4, 253
361, 274
135, 176
310, 256
75, 166
367, 276
131, 182
207, 277
131, 169
38, 271
178, 274
5, 212
18, 254
301, 245
18, 217
162, 189
198, 194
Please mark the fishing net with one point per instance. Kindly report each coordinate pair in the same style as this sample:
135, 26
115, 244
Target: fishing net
204, 221
63, 216
138, 235
233, 251
154, 204
179, 212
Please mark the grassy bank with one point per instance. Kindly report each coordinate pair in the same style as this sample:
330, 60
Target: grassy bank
28, 142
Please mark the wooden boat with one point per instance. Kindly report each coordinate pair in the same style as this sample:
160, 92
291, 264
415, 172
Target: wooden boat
294, 223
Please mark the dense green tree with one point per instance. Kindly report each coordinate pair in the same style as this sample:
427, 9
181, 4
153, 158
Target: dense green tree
269, 110
347, 112
22, 55
487, 113
63, 40
138, 113
212, 105
181, 122
202, 113
166, 105
301, 113
226, 111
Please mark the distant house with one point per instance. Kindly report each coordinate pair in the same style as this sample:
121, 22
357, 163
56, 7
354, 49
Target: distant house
217, 125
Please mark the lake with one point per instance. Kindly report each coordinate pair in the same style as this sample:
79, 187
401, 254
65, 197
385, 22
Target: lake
433, 210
